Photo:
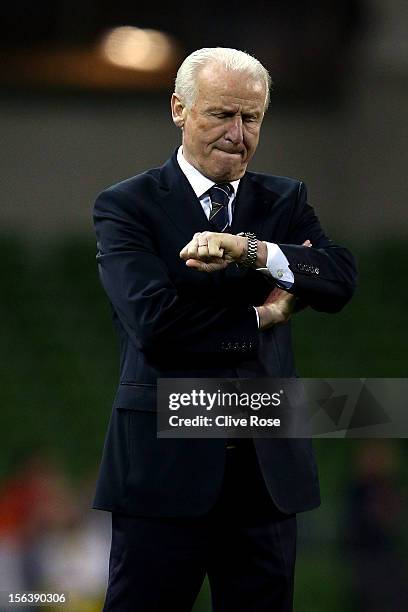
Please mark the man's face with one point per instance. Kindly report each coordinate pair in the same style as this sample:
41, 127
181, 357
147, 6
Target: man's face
221, 129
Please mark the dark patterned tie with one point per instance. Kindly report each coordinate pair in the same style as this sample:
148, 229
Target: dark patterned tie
220, 196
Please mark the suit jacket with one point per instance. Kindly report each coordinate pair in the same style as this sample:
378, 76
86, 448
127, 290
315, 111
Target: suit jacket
173, 321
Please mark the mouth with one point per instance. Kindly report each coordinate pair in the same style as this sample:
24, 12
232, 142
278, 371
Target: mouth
240, 153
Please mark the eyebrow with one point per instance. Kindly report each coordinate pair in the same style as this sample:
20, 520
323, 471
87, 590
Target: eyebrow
221, 109
230, 109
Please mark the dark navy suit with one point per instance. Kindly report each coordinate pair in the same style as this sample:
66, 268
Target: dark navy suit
173, 321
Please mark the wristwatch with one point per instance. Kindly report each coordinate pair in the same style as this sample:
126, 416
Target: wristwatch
250, 257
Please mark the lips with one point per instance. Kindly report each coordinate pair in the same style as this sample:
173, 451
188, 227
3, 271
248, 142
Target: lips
238, 152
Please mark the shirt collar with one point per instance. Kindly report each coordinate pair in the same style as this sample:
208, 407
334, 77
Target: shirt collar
200, 183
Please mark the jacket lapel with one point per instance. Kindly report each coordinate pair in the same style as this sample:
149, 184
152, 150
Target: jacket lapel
252, 206
179, 201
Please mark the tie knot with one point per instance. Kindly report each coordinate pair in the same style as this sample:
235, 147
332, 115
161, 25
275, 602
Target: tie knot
221, 193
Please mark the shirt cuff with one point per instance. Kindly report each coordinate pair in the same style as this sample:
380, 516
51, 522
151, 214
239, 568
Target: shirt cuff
277, 266
257, 317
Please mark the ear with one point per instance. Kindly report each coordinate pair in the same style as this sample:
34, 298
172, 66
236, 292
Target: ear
178, 111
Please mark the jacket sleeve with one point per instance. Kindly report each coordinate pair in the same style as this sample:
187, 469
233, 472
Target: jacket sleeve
139, 287
325, 274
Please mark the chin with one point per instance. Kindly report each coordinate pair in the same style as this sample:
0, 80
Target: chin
229, 173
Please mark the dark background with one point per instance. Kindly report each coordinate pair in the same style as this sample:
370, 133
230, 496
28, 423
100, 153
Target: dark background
337, 120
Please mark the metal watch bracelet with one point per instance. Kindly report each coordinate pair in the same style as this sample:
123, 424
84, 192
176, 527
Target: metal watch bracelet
250, 257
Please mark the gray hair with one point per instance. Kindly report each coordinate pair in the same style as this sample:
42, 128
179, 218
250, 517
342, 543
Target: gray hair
231, 59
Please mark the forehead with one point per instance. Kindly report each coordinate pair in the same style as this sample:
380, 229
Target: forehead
218, 86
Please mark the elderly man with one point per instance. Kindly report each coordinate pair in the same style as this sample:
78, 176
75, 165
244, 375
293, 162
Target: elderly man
203, 263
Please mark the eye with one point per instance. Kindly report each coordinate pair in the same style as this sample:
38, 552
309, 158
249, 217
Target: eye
222, 114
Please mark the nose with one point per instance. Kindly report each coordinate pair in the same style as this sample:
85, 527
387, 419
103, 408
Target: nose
234, 132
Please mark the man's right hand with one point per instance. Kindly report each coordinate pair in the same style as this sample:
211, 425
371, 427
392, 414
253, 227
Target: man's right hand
277, 308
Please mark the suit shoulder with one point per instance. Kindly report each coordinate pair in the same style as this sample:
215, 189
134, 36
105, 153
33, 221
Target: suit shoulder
278, 184
127, 192
133, 184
